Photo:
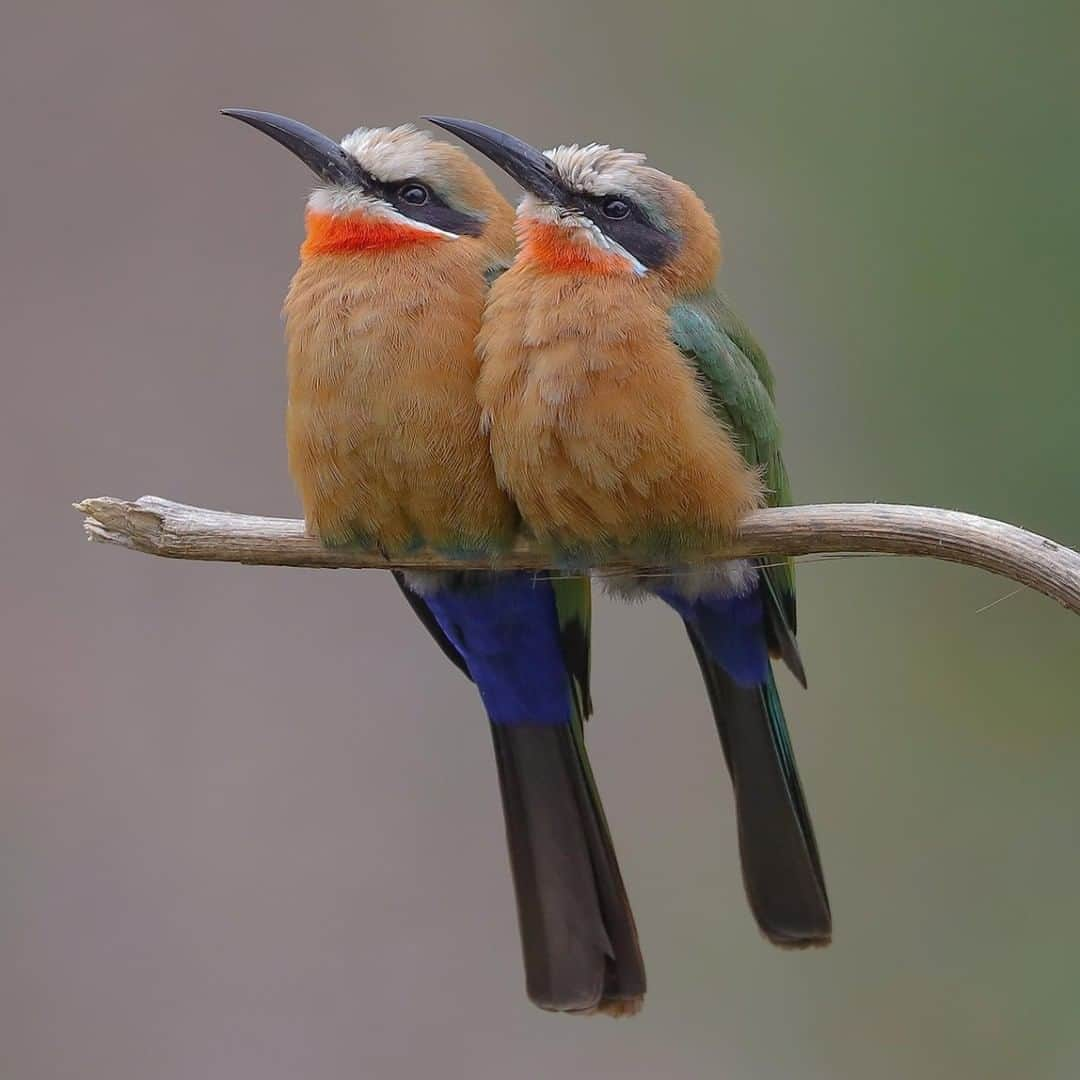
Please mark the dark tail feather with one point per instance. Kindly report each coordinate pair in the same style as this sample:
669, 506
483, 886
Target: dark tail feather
577, 930
778, 630
781, 866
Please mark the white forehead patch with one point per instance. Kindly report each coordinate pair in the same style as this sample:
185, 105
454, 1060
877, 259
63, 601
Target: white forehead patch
596, 169
342, 200
392, 154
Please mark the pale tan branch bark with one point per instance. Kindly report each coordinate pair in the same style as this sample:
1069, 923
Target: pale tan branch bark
160, 527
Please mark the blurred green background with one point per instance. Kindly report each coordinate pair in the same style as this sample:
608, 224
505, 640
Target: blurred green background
248, 817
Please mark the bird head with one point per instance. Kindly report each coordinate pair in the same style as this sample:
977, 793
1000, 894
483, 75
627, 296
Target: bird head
595, 209
387, 188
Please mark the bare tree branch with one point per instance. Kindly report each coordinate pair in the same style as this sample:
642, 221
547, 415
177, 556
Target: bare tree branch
160, 527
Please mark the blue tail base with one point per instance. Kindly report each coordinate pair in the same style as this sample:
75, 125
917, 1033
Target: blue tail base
732, 628
506, 628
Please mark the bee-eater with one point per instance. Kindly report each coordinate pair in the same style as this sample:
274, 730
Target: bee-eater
631, 412
403, 235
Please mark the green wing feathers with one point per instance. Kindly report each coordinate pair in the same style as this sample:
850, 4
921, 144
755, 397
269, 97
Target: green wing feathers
737, 378
739, 382
573, 604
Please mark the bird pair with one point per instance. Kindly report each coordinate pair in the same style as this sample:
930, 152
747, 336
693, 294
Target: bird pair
449, 386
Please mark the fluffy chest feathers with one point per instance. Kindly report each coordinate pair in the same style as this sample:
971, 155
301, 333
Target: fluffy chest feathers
384, 437
599, 426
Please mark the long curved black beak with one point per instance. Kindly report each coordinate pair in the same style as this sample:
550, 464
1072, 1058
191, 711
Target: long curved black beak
318, 152
534, 172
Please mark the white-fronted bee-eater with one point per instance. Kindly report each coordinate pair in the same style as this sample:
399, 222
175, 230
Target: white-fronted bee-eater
403, 236
631, 413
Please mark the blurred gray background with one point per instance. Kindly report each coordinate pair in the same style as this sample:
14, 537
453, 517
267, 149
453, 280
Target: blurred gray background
249, 827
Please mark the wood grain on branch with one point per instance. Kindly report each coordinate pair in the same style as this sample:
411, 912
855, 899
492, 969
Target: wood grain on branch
160, 527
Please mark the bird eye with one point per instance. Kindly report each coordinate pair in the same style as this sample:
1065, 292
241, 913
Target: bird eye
414, 194
614, 207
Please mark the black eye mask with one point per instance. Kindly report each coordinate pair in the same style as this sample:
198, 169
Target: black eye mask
651, 246
434, 210
634, 232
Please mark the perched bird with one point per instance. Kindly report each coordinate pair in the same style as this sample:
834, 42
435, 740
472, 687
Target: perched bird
631, 412
385, 444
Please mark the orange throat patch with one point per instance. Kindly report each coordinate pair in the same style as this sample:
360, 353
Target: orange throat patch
555, 249
329, 234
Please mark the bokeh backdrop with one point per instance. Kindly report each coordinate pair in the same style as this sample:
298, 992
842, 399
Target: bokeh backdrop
249, 827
